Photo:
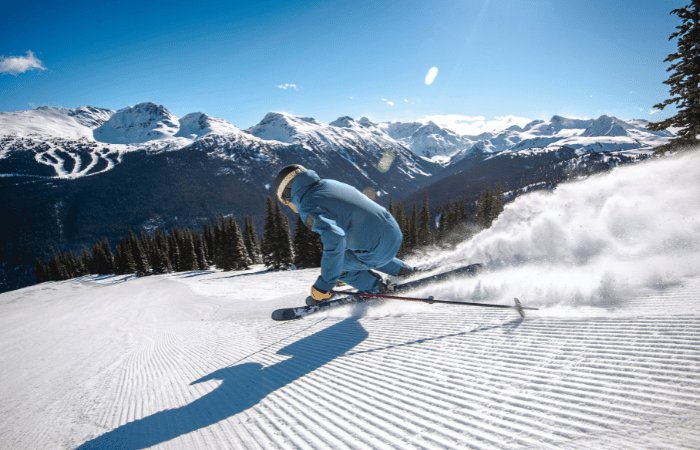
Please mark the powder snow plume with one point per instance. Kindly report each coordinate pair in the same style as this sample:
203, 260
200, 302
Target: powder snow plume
592, 243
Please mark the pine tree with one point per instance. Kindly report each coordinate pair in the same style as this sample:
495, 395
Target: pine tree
442, 226
56, 269
269, 237
108, 255
302, 245
425, 237
208, 236
174, 250
685, 78
187, 253
87, 261
232, 254
251, 241
123, 259
400, 217
412, 229
101, 262
499, 201
40, 274
143, 267
285, 249
160, 261
200, 248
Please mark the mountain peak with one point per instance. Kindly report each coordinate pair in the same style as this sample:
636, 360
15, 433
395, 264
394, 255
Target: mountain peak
137, 124
285, 127
606, 126
344, 122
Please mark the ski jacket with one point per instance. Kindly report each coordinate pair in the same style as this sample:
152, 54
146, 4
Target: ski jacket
347, 221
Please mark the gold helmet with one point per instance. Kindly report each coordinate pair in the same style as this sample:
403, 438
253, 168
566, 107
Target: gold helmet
283, 184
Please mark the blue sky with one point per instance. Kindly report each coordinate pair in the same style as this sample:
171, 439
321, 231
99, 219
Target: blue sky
326, 59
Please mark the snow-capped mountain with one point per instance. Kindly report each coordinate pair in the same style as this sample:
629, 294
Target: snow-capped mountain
198, 124
71, 176
342, 135
428, 139
584, 135
49, 122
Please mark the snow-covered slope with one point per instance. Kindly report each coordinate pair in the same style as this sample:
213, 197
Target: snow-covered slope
137, 124
198, 124
428, 139
50, 122
342, 134
188, 361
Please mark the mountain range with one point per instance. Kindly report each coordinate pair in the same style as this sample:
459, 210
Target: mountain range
69, 177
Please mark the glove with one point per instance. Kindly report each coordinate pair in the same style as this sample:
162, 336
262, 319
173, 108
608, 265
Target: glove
319, 295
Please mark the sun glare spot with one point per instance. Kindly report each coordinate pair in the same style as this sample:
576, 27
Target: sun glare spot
432, 73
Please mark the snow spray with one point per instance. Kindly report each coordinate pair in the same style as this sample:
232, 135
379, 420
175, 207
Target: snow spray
590, 243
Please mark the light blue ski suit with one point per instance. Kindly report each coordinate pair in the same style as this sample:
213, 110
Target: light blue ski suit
357, 233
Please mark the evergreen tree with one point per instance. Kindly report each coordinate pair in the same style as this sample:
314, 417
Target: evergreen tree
40, 272
123, 259
187, 252
400, 217
236, 246
174, 249
285, 249
87, 261
217, 250
499, 201
160, 261
424, 237
685, 78
108, 255
483, 215
200, 248
143, 267
302, 245
56, 269
251, 241
101, 262
71, 264
269, 237
412, 229
442, 226
208, 236
308, 246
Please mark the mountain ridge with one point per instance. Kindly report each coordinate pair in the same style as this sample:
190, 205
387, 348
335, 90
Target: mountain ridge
62, 188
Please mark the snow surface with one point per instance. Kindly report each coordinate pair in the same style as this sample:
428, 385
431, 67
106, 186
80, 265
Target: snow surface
55, 122
192, 360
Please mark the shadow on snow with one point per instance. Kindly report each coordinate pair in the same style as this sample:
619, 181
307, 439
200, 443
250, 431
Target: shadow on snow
242, 387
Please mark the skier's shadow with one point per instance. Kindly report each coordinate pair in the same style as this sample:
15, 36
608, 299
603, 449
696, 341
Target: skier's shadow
242, 387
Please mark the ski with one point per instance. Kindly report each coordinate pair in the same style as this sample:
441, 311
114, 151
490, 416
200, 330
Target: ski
303, 311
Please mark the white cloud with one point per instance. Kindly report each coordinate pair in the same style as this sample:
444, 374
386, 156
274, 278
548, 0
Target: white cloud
432, 73
390, 103
383, 99
288, 86
653, 111
14, 65
471, 126
405, 100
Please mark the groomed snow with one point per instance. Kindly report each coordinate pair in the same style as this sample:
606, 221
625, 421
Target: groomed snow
192, 360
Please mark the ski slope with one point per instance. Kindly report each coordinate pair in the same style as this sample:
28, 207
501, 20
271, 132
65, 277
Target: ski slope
192, 360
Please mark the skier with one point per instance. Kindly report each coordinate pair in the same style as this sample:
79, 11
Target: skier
357, 233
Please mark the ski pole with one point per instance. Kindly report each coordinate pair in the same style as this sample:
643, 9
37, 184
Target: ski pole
518, 306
